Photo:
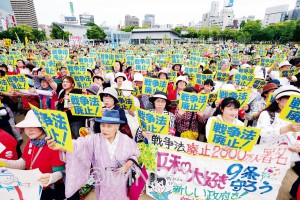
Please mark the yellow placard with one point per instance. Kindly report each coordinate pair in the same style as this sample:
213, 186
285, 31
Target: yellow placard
270, 100
86, 105
291, 110
201, 78
291, 72
50, 68
87, 61
107, 59
191, 71
60, 54
243, 79
18, 82
126, 103
172, 75
142, 64
259, 83
152, 122
222, 76
77, 69
56, 126
2, 164
232, 135
7, 42
177, 58
4, 85
82, 81
241, 95
212, 97
136, 91
193, 102
151, 85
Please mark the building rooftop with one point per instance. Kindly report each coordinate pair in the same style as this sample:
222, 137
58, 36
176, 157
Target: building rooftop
154, 30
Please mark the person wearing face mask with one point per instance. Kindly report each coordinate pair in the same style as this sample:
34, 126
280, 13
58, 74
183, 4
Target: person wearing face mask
126, 89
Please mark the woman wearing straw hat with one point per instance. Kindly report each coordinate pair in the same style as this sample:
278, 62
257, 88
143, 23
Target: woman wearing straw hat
37, 155
108, 152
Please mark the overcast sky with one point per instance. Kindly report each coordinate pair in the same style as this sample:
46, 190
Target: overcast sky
166, 11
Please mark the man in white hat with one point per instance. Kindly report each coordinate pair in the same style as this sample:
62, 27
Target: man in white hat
285, 65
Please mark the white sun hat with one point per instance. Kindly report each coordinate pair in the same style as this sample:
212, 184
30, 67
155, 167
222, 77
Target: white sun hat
30, 121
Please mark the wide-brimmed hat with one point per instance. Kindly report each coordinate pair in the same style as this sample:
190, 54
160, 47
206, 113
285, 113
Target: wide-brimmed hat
160, 95
175, 65
236, 63
245, 66
110, 117
163, 71
268, 87
30, 121
110, 91
98, 76
181, 78
126, 85
93, 89
120, 74
286, 90
284, 63
228, 86
138, 77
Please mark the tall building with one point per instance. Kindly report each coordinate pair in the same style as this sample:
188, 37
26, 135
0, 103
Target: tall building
228, 3
214, 9
7, 18
86, 18
131, 20
24, 12
275, 14
296, 11
149, 20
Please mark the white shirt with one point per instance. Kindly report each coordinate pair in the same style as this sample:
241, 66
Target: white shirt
270, 132
112, 146
282, 80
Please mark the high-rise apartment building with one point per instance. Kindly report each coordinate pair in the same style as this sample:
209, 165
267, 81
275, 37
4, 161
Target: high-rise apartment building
24, 12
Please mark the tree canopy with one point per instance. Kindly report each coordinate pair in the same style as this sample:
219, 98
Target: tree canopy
22, 31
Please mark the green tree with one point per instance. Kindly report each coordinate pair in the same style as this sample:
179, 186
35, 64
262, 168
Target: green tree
192, 32
129, 28
204, 33
215, 31
178, 29
253, 29
228, 34
95, 32
242, 24
297, 31
58, 33
288, 29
